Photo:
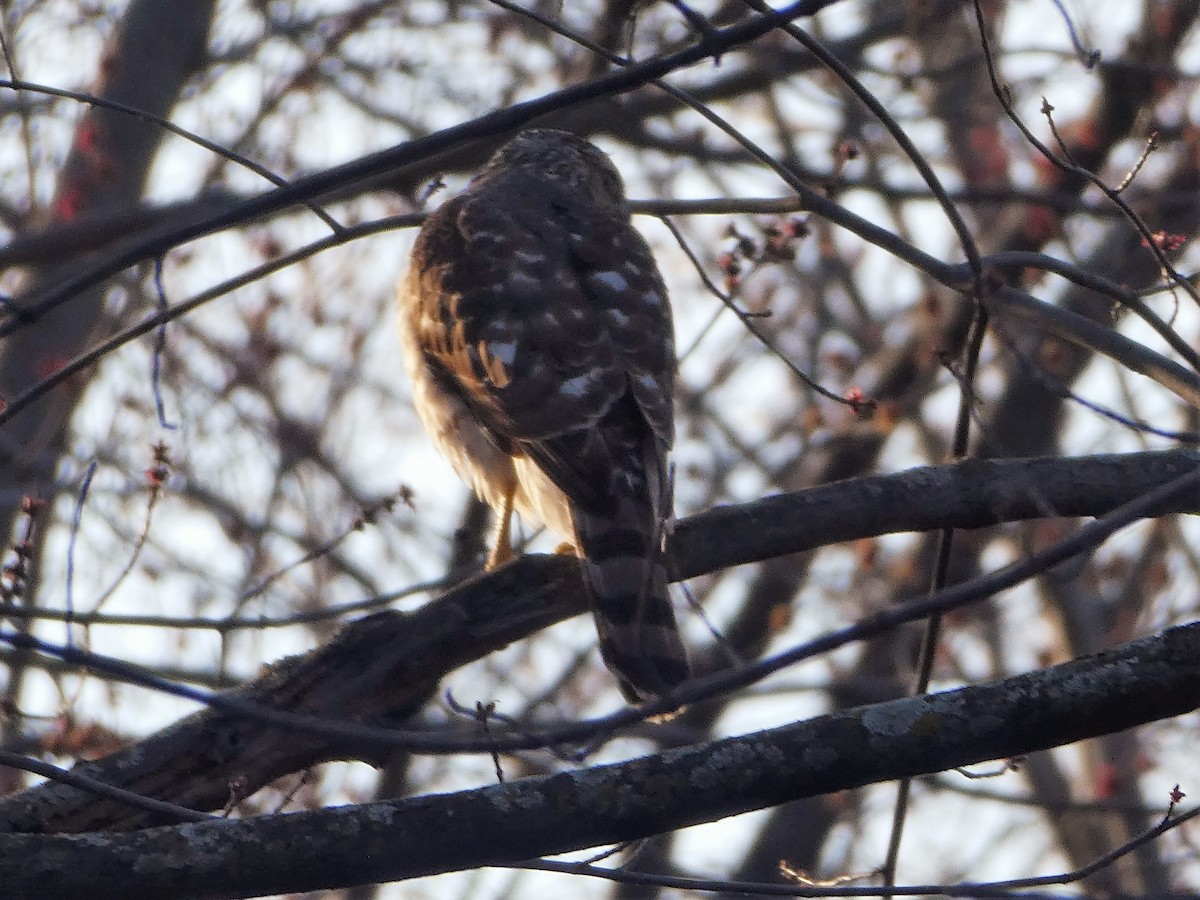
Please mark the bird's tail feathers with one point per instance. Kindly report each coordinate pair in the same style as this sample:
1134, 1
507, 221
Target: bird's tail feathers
625, 572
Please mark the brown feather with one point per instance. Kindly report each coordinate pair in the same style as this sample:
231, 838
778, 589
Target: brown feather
538, 335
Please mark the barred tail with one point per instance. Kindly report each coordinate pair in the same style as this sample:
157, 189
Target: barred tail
626, 575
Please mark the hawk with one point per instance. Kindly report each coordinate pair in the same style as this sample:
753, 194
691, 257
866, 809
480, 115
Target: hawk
537, 334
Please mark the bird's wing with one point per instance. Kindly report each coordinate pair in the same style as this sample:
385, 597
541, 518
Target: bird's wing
550, 320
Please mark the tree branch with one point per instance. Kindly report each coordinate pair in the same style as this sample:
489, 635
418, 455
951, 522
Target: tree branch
381, 670
1143, 681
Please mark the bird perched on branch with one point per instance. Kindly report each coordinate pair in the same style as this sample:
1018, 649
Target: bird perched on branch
538, 337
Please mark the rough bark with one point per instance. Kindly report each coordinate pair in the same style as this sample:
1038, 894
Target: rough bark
1143, 681
380, 670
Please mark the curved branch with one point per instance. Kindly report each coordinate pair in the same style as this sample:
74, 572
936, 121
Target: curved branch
970, 494
193, 762
313, 187
1143, 681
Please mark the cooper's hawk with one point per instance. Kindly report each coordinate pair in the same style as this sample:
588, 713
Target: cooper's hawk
538, 337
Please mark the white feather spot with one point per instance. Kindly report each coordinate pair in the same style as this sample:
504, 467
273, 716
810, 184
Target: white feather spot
504, 351
524, 282
649, 382
614, 281
576, 387
529, 258
652, 298
618, 318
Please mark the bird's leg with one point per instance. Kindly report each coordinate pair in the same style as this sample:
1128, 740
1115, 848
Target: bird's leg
502, 551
